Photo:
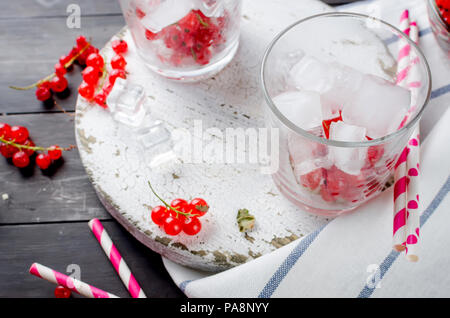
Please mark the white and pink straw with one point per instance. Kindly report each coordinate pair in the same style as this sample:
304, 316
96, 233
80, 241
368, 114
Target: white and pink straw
406, 225
116, 259
73, 284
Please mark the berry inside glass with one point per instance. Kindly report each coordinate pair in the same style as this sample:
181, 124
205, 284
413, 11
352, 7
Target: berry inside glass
184, 39
330, 85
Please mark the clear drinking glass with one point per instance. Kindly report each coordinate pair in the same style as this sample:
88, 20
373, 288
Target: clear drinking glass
327, 176
184, 39
440, 29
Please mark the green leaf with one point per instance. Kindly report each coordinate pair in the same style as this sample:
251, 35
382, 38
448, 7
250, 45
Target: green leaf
245, 220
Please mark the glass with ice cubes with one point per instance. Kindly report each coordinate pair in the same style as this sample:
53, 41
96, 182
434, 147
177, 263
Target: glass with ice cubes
185, 40
329, 83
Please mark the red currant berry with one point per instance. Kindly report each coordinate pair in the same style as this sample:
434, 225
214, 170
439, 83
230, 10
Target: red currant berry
29, 143
374, 154
64, 59
86, 90
193, 226
178, 203
115, 74
172, 226
43, 93
21, 159
19, 134
81, 42
118, 62
43, 161
8, 151
59, 84
90, 75
200, 206
95, 60
83, 56
100, 99
62, 292
159, 215
326, 196
54, 152
120, 46
5, 131
60, 70
73, 52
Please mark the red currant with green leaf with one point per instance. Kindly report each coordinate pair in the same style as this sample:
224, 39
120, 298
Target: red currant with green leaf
19, 134
21, 159
43, 161
200, 206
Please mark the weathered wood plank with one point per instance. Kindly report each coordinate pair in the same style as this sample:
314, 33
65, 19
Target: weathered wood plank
34, 46
59, 245
45, 8
61, 194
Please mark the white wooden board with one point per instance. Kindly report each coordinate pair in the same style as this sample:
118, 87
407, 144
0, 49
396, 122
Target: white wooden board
119, 172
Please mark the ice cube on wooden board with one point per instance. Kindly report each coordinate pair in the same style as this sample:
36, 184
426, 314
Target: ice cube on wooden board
348, 159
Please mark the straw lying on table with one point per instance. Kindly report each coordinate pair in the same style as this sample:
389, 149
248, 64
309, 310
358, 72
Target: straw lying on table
73, 284
406, 225
116, 259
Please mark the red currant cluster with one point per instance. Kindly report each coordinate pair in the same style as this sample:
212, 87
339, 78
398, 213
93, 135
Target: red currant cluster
95, 70
193, 36
180, 215
16, 144
444, 8
62, 292
56, 82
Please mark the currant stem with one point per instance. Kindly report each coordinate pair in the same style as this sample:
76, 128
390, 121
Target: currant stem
167, 205
49, 77
35, 148
206, 25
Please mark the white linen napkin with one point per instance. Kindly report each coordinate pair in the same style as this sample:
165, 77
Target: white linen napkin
352, 255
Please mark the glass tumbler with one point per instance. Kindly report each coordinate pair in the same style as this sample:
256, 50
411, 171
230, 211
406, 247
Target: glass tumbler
326, 176
186, 40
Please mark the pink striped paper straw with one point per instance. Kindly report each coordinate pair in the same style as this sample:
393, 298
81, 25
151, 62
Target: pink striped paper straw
116, 259
400, 179
73, 284
412, 163
403, 54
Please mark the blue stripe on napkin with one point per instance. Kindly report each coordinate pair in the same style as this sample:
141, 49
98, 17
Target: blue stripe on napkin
288, 263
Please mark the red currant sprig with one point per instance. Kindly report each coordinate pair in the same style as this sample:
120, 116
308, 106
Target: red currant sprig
15, 144
179, 216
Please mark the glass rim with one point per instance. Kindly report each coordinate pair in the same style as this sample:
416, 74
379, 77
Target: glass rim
336, 143
437, 15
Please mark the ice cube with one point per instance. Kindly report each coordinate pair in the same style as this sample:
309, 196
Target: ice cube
378, 105
154, 134
163, 13
126, 102
348, 159
211, 8
301, 108
312, 75
306, 155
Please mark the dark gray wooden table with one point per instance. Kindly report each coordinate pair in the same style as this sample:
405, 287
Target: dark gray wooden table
45, 218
